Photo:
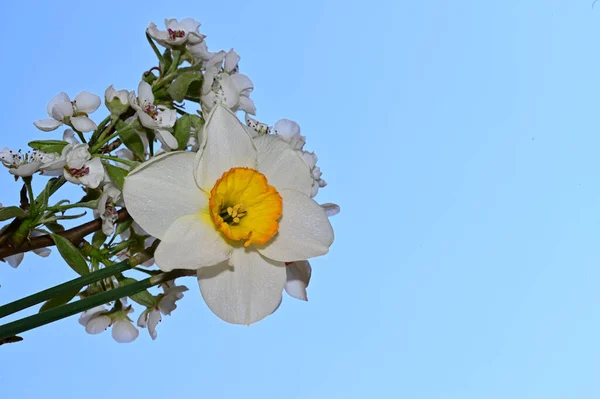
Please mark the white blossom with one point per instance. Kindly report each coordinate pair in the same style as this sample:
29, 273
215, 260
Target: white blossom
116, 101
24, 164
78, 165
150, 317
178, 33
111, 198
155, 117
76, 113
223, 84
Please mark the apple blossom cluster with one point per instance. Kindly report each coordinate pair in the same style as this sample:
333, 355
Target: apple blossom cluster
176, 183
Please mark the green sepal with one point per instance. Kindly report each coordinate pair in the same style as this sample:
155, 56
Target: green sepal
98, 239
116, 174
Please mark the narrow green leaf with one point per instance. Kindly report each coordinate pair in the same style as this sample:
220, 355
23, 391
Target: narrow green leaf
179, 87
63, 298
116, 174
11, 212
54, 227
48, 146
71, 255
144, 298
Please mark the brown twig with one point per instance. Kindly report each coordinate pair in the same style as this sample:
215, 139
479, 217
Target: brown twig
75, 235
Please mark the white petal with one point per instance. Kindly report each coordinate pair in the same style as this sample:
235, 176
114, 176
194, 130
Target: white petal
298, 277
242, 82
247, 105
97, 324
331, 209
43, 252
286, 128
282, 166
246, 293
83, 124
61, 110
191, 242
47, 125
228, 145
153, 319
145, 94
304, 230
161, 190
231, 60
15, 260
57, 99
69, 137
167, 138
142, 321
27, 169
124, 332
87, 102
95, 175
88, 314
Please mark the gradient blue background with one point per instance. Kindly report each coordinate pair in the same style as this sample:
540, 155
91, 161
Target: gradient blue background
461, 139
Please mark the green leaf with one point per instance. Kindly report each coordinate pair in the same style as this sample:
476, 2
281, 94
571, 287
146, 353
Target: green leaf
144, 298
48, 146
11, 212
91, 194
121, 227
179, 87
71, 255
63, 298
132, 140
186, 125
116, 174
98, 239
54, 227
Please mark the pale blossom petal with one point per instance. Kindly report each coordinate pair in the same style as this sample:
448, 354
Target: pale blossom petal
83, 123
47, 125
331, 209
95, 175
166, 138
231, 60
304, 230
281, 165
85, 317
191, 242
246, 292
15, 260
145, 94
60, 98
298, 277
69, 137
62, 110
43, 252
242, 82
228, 145
247, 105
86, 102
124, 332
97, 324
161, 190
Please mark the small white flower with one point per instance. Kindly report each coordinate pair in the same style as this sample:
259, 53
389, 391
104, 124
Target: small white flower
109, 200
116, 101
223, 84
26, 164
200, 51
155, 117
177, 33
256, 128
78, 165
95, 320
150, 317
297, 279
62, 110
15, 260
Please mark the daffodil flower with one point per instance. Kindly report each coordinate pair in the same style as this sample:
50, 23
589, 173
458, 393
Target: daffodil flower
62, 110
155, 117
236, 212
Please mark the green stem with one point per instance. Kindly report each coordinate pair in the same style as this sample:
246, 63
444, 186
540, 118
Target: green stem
176, 58
158, 54
127, 162
55, 291
51, 315
100, 129
100, 143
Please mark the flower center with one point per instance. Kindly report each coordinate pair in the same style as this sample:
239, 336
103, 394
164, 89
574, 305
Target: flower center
151, 110
79, 172
175, 34
245, 207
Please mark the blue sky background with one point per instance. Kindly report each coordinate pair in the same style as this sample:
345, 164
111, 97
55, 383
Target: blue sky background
459, 137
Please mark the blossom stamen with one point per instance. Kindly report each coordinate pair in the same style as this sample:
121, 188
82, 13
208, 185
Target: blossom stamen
175, 34
79, 172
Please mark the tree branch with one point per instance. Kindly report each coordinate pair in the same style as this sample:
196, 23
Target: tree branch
75, 235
